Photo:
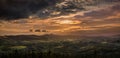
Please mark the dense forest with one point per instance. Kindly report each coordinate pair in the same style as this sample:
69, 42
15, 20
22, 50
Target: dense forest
54, 46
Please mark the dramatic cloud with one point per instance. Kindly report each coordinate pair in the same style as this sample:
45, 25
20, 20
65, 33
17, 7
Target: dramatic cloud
14, 9
104, 12
22, 8
102, 19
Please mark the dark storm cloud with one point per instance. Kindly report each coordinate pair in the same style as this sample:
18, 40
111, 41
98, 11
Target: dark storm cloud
22, 8
12, 9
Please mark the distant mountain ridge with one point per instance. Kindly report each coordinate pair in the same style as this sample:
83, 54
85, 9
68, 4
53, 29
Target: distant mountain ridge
52, 37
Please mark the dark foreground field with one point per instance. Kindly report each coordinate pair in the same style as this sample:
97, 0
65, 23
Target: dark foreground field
54, 46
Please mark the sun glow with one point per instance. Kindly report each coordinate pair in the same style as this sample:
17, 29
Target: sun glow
67, 22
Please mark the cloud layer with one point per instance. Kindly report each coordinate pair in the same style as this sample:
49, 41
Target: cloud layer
14, 9
99, 20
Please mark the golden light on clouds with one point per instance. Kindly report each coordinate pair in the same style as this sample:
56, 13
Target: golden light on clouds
55, 26
84, 21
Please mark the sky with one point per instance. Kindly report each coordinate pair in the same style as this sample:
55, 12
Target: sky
84, 17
